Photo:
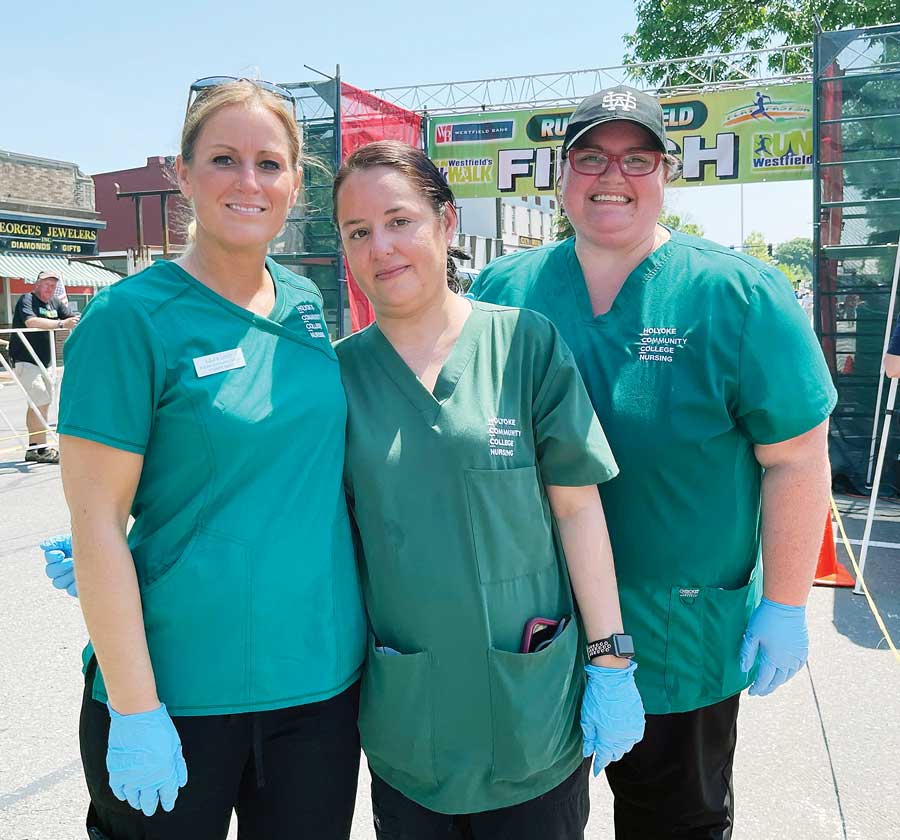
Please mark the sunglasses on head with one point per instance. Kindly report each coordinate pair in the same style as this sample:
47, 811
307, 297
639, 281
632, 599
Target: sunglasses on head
209, 82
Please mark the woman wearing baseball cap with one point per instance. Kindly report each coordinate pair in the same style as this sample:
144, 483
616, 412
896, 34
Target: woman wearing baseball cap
680, 343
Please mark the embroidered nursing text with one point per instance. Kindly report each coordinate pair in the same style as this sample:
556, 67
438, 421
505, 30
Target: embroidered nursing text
660, 344
312, 320
503, 432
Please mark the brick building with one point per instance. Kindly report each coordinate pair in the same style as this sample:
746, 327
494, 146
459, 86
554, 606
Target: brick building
120, 214
48, 221
34, 184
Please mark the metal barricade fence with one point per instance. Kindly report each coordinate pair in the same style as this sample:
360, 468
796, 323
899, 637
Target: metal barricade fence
50, 377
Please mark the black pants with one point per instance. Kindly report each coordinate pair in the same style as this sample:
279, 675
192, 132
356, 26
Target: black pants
676, 783
560, 814
289, 773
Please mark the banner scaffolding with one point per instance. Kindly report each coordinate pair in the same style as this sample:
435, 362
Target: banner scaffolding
857, 225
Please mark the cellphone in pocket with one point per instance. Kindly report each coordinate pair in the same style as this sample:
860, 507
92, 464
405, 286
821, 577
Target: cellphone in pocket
539, 632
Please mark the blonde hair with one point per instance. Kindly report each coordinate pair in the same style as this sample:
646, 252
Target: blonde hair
241, 92
212, 100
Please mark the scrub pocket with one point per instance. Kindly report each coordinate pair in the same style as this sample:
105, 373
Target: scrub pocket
518, 543
396, 712
705, 629
196, 620
534, 705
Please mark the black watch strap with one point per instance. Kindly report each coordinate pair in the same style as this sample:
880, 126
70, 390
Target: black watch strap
619, 644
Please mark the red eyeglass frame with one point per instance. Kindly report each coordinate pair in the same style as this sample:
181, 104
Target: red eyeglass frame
617, 159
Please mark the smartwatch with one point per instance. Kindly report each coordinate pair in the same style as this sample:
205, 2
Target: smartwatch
619, 644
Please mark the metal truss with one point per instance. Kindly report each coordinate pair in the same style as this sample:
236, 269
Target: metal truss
776, 65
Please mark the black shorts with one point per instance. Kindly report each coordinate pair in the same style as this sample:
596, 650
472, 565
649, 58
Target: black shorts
560, 814
288, 773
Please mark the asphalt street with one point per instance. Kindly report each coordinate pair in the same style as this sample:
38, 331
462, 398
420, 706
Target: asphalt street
819, 759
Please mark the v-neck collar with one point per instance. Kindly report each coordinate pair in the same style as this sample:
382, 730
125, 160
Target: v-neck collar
643, 272
275, 316
451, 371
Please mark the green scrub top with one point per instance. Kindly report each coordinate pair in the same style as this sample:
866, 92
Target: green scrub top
460, 552
241, 539
703, 354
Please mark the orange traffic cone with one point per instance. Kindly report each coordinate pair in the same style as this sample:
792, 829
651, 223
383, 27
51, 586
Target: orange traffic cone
829, 572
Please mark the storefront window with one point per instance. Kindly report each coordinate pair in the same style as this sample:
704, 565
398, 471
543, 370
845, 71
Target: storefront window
78, 302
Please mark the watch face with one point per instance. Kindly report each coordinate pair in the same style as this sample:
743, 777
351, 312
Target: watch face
623, 646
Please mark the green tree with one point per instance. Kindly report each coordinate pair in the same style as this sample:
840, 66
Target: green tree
562, 227
797, 253
755, 246
796, 275
682, 223
669, 29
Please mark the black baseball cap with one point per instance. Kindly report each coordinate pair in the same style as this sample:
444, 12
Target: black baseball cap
612, 104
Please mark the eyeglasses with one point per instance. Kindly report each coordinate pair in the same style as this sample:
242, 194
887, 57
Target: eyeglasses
207, 83
595, 162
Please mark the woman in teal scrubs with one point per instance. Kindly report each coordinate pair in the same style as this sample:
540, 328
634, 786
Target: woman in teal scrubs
723, 447
227, 630
473, 455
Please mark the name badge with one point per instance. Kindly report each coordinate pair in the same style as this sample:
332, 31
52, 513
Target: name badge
219, 362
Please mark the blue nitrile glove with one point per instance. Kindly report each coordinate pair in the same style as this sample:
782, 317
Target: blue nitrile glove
778, 634
144, 759
612, 714
60, 568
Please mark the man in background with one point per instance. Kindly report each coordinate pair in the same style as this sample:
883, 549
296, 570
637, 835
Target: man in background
40, 310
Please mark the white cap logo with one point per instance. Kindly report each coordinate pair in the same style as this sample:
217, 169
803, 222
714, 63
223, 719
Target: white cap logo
615, 101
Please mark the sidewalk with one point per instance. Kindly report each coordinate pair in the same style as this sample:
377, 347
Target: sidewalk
13, 406
817, 760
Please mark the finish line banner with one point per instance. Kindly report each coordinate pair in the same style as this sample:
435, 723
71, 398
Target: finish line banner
743, 136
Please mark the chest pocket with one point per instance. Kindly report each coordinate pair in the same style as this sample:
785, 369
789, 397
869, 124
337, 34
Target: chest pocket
243, 395
511, 525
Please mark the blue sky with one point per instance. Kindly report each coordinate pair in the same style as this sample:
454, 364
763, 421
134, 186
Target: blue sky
105, 88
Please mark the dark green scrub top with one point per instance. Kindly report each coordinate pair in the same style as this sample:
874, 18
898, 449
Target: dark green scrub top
703, 354
241, 538
448, 492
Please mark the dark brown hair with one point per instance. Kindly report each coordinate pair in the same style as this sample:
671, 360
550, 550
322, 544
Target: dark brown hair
414, 165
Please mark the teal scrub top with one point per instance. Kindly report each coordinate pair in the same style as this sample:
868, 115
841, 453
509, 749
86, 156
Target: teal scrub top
704, 353
447, 489
241, 539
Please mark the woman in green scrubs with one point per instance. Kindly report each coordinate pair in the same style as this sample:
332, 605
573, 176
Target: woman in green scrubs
715, 395
227, 625
473, 455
